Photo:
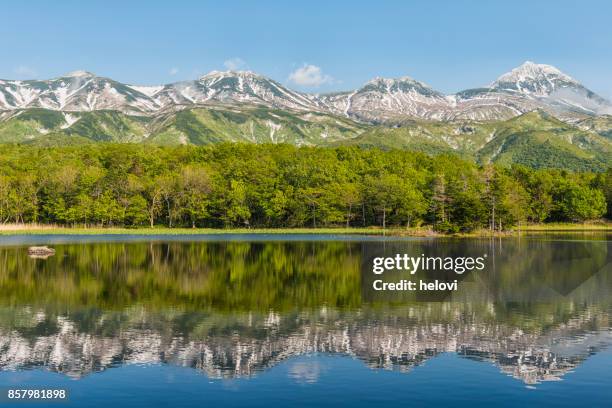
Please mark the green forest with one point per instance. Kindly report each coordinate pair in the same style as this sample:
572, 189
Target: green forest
279, 185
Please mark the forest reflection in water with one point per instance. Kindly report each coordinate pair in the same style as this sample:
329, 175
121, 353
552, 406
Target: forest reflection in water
231, 309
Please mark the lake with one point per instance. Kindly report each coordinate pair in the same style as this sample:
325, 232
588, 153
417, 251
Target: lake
258, 320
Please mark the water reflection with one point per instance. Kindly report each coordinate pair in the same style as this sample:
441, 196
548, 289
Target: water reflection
232, 309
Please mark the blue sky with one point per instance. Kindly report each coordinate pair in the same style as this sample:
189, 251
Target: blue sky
310, 45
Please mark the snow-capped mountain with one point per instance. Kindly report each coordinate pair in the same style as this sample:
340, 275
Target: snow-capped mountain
233, 87
76, 91
548, 88
386, 100
382, 100
526, 88
534, 79
83, 91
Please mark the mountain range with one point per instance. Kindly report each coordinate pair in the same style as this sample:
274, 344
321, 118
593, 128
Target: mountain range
534, 106
381, 100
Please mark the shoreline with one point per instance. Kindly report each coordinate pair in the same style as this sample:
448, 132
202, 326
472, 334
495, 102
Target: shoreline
27, 229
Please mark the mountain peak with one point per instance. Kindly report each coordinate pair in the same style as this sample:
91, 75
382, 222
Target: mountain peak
530, 69
393, 81
221, 74
78, 74
403, 85
236, 87
532, 78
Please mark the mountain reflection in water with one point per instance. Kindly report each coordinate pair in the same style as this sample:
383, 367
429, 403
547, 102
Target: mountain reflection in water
232, 309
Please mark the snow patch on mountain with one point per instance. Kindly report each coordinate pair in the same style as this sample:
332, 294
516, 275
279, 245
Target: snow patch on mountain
147, 90
79, 73
70, 120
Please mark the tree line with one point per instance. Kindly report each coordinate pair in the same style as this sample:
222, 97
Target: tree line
247, 185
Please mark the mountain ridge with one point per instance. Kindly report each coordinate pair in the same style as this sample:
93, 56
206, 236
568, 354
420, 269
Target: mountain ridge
380, 100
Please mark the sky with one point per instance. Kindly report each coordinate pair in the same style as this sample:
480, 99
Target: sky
314, 46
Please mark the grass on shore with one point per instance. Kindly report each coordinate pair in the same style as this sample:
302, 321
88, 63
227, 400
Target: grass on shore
41, 229
160, 230
603, 226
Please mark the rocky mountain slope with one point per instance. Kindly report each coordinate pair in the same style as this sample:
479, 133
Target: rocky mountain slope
197, 125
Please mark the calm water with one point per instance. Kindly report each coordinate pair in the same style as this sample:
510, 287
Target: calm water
287, 320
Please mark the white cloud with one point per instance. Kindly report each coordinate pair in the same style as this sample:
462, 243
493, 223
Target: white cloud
25, 72
234, 64
173, 71
309, 75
